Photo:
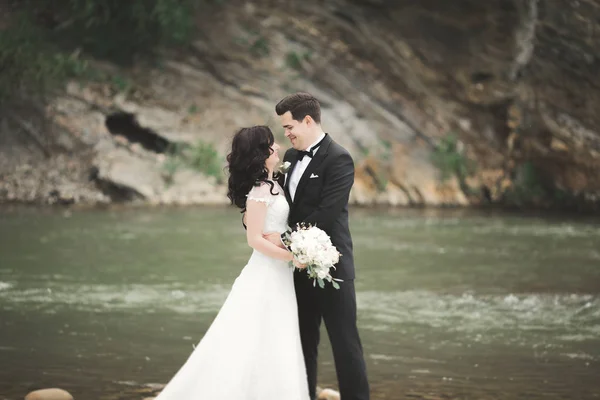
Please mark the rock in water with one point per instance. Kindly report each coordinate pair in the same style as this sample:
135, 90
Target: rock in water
328, 394
49, 394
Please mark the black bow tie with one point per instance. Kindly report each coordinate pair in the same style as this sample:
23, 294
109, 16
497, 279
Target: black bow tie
302, 153
309, 152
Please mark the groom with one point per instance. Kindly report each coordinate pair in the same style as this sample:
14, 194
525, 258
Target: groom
317, 186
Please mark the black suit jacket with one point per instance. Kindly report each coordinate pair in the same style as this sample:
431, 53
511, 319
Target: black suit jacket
323, 199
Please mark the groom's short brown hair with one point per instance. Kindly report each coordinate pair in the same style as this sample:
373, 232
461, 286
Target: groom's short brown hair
300, 105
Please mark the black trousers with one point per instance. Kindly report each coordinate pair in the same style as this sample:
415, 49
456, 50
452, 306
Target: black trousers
337, 308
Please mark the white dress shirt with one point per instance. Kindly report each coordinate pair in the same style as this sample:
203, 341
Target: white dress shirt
300, 168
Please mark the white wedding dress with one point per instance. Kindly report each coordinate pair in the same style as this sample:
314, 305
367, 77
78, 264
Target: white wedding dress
252, 350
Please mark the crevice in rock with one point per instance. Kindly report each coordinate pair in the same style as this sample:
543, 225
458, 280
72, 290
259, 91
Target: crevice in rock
497, 117
486, 194
117, 193
379, 183
205, 62
481, 77
404, 189
345, 16
525, 37
125, 124
421, 198
203, 58
411, 201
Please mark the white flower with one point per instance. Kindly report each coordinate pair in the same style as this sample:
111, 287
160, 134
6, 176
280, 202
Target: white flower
312, 246
285, 167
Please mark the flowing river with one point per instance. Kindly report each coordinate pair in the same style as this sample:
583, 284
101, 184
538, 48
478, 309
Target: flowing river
452, 303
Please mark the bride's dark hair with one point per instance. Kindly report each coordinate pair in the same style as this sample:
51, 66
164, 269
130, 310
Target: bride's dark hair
250, 148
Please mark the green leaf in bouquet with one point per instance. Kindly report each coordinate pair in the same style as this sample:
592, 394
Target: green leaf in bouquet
321, 283
335, 284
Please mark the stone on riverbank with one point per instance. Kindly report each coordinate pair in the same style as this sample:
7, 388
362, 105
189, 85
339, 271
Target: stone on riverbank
327, 394
49, 394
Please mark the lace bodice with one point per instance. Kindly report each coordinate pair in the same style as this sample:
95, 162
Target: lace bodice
277, 206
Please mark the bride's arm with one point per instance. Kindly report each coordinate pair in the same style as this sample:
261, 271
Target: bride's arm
256, 211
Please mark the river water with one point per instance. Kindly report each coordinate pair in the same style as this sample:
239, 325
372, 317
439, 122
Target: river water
453, 304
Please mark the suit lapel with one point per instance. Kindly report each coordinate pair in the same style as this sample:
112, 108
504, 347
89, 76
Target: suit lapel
318, 158
286, 187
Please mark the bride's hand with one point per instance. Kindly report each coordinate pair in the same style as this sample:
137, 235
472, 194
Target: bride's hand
298, 264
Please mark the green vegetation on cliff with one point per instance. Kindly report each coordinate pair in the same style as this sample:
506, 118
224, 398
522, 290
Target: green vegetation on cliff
450, 160
44, 42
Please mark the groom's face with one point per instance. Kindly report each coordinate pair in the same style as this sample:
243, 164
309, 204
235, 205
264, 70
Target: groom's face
295, 131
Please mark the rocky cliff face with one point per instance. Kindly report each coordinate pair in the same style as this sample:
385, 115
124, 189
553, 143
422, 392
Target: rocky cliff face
511, 82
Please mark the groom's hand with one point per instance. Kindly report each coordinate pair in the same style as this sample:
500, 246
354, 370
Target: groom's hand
274, 238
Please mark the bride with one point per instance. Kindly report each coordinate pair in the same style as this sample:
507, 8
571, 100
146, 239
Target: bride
252, 350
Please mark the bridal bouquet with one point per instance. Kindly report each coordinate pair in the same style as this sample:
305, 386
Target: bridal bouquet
312, 246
